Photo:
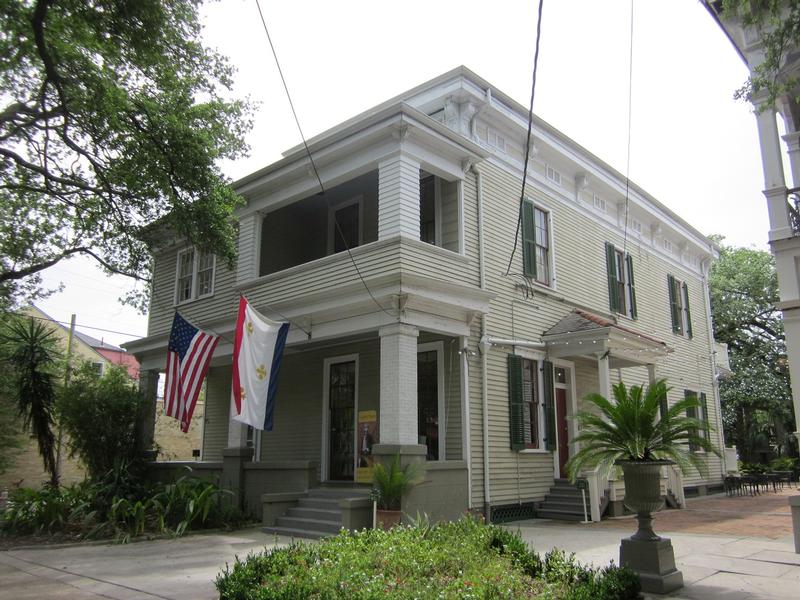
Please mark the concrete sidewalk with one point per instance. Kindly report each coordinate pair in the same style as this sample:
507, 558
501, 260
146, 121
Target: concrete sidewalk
737, 548
734, 566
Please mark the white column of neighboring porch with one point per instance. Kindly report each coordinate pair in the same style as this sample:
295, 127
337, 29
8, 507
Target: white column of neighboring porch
398, 400
774, 181
652, 374
237, 434
793, 146
398, 196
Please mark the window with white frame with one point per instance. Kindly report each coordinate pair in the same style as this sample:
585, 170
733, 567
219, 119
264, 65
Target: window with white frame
553, 175
195, 277
536, 243
496, 140
599, 203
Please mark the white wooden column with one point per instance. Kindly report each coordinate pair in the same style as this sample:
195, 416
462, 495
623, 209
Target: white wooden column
604, 375
774, 181
793, 146
237, 432
247, 264
398, 400
398, 197
652, 375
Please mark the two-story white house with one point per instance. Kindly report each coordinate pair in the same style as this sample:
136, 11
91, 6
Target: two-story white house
402, 312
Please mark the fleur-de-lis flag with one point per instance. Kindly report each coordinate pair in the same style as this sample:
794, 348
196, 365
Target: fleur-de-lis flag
257, 352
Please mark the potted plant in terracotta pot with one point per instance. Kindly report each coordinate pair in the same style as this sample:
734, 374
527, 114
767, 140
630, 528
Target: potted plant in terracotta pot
390, 484
638, 433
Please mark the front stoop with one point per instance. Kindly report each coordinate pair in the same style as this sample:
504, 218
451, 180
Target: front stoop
317, 515
563, 502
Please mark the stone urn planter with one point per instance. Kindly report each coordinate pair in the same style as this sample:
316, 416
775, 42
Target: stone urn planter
643, 493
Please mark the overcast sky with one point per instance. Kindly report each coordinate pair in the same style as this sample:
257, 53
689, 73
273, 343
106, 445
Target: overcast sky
693, 146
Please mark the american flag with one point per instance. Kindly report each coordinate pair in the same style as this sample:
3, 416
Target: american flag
188, 357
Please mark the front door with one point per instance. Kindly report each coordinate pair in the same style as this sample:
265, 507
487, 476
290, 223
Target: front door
341, 407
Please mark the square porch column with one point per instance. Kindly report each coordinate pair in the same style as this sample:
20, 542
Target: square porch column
398, 400
604, 375
148, 386
398, 197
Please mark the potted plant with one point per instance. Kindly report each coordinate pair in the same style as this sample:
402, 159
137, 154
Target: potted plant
632, 432
390, 484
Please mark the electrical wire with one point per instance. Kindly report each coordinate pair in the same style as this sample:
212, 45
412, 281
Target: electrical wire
313, 164
628, 159
528, 139
135, 335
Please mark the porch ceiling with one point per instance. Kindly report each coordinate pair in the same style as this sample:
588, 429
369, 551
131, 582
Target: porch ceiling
584, 334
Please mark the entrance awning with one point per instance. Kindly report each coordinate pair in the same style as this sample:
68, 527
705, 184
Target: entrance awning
581, 333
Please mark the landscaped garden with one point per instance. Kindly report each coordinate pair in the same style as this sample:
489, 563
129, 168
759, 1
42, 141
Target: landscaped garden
459, 560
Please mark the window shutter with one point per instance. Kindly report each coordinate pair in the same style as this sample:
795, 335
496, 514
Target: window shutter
686, 308
663, 406
528, 240
611, 270
691, 412
704, 403
673, 305
631, 285
549, 405
516, 422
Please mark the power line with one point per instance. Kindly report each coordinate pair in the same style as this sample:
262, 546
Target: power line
136, 335
528, 139
628, 159
313, 165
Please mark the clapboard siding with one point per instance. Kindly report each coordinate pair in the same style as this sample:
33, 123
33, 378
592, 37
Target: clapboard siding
218, 401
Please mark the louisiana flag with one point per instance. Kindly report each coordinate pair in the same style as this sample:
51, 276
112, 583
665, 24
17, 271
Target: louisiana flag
257, 352
188, 357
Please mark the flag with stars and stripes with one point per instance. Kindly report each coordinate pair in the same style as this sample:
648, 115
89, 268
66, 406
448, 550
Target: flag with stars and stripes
188, 357
257, 352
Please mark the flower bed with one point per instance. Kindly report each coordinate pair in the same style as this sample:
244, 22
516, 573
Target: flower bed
460, 560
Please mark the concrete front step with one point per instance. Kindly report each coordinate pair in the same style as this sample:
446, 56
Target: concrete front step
331, 527
297, 533
559, 515
576, 505
315, 513
320, 503
339, 492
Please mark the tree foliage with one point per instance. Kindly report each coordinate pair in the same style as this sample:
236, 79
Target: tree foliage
756, 399
778, 22
28, 351
99, 415
112, 117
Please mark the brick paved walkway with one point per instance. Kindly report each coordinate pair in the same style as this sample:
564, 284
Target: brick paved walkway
766, 515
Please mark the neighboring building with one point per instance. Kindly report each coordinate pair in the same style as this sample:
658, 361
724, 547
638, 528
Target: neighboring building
27, 469
424, 335
783, 202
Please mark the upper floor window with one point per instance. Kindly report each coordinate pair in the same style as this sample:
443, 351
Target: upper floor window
536, 243
679, 306
496, 140
552, 174
195, 275
427, 209
621, 285
599, 203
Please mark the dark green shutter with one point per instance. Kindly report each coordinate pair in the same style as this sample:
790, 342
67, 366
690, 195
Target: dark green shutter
611, 270
516, 424
663, 406
528, 240
686, 308
704, 403
549, 405
691, 411
631, 285
674, 309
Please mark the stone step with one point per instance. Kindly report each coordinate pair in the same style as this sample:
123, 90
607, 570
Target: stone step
576, 504
315, 513
297, 533
563, 493
336, 492
330, 527
559, 515
320, 503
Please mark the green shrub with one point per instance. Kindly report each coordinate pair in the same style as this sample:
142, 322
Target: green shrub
120, 508
753, 468
461, 560
100, 417
784, 463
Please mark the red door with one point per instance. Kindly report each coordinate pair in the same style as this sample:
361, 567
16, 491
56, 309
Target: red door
563, 434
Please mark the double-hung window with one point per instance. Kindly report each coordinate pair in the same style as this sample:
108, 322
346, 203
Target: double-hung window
536, 243
531, 403
621, 286
679, 306
195, 277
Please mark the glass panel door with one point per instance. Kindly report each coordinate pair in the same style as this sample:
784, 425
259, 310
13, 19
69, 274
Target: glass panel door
428, 402
341, 407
